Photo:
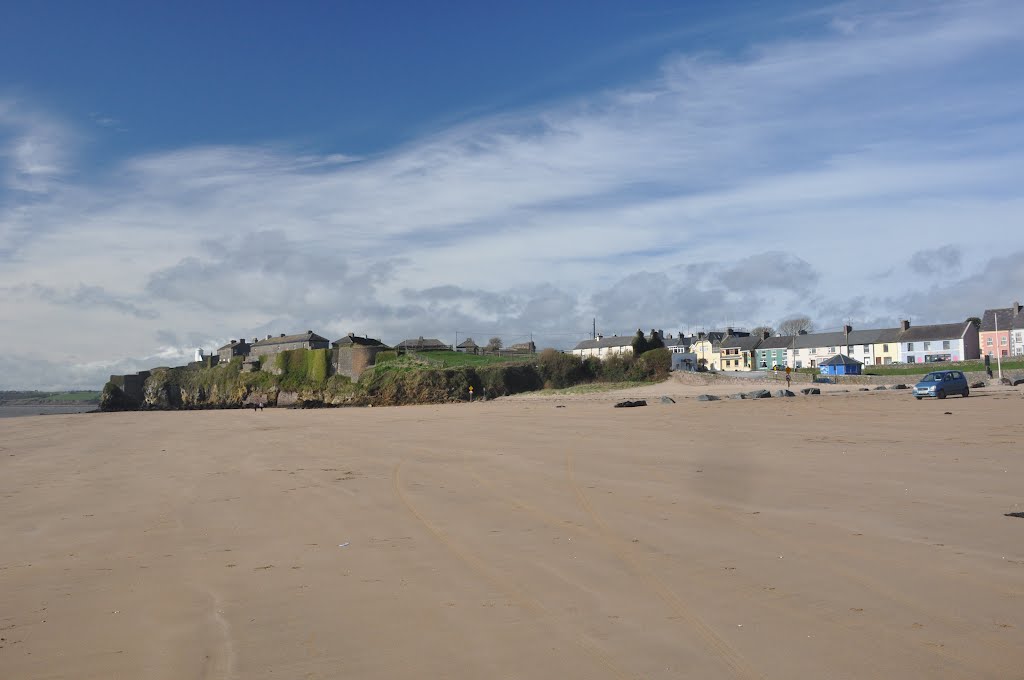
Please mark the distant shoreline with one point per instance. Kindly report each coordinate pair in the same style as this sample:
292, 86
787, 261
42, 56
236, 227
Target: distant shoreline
23, 410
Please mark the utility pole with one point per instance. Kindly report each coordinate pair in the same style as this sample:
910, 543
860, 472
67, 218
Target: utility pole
594, 336
999, 361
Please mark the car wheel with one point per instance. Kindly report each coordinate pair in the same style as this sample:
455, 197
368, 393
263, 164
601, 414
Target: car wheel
967, 391
918, 398
940, 394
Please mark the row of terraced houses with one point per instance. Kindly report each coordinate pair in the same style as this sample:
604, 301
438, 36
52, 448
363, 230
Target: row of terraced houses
999, 333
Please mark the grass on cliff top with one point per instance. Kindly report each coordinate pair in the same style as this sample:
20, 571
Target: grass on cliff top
456, 359
19, 398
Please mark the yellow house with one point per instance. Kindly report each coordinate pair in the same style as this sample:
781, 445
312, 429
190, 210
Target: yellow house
708, 348
886, 348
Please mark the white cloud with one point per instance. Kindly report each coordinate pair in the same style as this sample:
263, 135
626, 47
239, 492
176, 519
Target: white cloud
812, 163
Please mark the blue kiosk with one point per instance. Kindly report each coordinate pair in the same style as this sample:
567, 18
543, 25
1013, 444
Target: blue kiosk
840, 364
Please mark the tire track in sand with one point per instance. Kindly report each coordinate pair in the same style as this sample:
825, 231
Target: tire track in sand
515, 593
956, 625
721, 649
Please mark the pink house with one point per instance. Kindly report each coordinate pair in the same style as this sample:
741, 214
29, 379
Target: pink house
999, 343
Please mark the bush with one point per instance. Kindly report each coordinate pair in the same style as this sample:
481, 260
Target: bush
654, 364
559, 370
385, 356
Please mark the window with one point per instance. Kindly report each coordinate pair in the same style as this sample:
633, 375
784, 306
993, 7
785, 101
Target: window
988, 342
1002, 340
910, 347
831, 350
885, 348
945, 344
927, 346
867, 348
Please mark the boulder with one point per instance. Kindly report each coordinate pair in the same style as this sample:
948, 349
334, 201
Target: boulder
1018, 381
810, 390
707, 397
631, 404
784, 393
668, 400
738, 395
881, 387
287, 398
977, 383
759, 394
900, 386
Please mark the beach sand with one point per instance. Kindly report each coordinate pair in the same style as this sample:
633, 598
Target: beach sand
858, 535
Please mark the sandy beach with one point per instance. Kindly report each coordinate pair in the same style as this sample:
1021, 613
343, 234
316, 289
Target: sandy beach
849, 535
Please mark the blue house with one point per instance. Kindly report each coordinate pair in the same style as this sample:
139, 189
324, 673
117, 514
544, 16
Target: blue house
840, 364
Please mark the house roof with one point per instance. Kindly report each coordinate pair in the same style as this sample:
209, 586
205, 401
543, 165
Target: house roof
679, 341
308, 336
603, 342
422, 344
742, 343
468, 343
870, 336
1007, 319
840, 360
776, 342
233, 343
941, 331
819, 340
353, 339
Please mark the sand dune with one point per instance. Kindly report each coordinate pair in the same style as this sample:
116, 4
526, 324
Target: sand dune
845, 536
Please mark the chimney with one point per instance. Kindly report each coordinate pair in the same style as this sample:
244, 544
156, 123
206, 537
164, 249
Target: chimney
598, 337
700, 335
847, 329
269, 336
904, 325
728, 331
765, 334
1016, 308
234, 341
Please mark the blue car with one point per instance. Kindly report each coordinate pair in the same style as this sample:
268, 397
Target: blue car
942, 384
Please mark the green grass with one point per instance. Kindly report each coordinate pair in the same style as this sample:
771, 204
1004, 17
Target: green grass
592, 388
921, 369
456, 359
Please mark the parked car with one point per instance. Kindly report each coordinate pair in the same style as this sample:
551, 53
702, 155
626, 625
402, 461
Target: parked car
942, 384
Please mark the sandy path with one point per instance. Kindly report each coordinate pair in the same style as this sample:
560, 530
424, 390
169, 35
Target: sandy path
847, 536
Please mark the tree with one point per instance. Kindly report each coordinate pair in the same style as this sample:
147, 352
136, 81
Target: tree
975, 320
795, 325
640, 344
494, 344
758, 330
655, 342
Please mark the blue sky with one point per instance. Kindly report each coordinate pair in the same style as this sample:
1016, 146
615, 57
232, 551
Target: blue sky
173, 175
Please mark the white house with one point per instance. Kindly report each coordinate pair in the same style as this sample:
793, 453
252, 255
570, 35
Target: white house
939, 342
602, 347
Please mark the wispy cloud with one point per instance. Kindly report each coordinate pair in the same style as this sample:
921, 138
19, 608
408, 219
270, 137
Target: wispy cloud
722, 189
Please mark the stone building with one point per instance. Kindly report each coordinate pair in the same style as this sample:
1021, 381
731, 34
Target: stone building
282, 343
523, 348
467, 346
352, 354
235, 348
422, 344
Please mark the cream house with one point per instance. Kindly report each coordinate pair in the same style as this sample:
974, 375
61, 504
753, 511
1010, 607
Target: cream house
604, 347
